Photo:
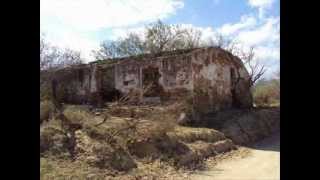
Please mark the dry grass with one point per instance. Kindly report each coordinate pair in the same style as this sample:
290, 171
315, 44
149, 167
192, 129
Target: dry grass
46, 110
189, 135
66, 169
130, 130
77, 114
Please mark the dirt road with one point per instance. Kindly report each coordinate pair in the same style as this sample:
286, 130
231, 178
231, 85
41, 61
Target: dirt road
263, 163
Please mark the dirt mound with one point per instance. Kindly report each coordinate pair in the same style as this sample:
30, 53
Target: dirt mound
201, 150
102, 155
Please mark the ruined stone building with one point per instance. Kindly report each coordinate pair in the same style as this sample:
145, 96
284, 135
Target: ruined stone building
212, 76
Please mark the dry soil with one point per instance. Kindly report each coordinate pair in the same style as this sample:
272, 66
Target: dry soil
262, 163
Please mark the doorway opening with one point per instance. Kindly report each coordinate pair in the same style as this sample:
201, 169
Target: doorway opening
151, 82
233, 78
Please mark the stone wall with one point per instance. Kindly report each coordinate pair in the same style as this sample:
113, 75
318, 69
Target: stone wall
213, 77
220, 81
174, 75
72, 85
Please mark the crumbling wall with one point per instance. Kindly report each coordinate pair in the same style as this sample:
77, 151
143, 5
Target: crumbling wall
204, 73
72, 85
127, 76
212, 77
215, 88
83, 84
174, 75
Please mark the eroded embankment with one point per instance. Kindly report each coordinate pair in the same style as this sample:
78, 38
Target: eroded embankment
119, 144
253, 125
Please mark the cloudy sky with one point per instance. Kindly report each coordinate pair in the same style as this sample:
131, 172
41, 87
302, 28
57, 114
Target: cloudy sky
83, 24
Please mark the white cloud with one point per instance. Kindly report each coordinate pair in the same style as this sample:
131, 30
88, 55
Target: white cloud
262, 5
249, 31
266, 41
245, 23
123, 32
73, 40
267, 55
261, 33
253, 32
206, 32
95, 14
67, 23
268, 32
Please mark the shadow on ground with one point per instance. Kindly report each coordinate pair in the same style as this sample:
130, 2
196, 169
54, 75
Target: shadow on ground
271, 143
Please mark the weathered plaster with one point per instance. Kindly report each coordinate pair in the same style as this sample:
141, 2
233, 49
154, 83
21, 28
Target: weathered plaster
204, 72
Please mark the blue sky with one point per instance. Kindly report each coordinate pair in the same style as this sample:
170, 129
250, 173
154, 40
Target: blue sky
83, 24
215, 13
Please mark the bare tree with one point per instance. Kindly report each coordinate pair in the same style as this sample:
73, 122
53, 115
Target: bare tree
158, 37
68, 57
43, 45
45, 57
128, 46
164, 37
191, 38
54, 57
255, 69
225, 43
